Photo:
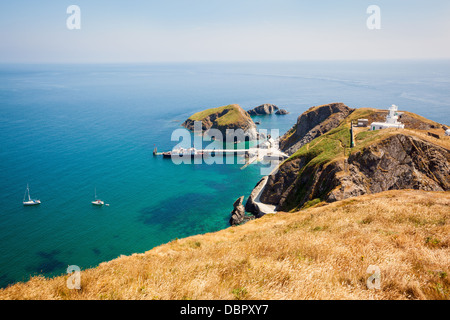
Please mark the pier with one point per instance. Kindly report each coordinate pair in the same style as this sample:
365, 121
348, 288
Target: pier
253, 154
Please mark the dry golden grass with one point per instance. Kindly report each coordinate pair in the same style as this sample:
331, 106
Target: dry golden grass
319, 253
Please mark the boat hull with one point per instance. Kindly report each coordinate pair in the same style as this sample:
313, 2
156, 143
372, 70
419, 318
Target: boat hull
31, 203
169, 155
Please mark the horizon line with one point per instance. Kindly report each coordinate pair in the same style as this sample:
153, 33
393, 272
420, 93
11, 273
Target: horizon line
218, 61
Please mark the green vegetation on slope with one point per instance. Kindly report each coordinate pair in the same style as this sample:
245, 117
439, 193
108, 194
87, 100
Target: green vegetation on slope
317, 154
230, 114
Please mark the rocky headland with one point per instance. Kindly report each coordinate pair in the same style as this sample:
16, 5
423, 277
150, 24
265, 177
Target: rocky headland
322, 166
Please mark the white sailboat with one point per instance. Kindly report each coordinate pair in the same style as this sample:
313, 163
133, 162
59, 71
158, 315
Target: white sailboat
29, 202
97, 202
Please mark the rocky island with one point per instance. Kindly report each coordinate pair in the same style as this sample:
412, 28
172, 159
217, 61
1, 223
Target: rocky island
231, 117
267, 109
282, 112
263, 109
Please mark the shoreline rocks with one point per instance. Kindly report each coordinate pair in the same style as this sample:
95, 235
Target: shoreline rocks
254, 204
238, 215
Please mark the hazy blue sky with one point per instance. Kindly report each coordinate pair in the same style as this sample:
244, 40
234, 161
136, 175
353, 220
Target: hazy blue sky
212, 30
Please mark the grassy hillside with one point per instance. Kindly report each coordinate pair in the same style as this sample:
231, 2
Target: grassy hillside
319, 253
234, 114
331, 145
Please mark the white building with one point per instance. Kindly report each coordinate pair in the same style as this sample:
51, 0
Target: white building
268, 144
447, 132
362, 122
391, 120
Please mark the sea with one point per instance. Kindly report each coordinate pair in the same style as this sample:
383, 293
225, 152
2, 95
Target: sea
70, 131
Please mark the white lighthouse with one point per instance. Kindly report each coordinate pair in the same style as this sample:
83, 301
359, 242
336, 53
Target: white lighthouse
391, 120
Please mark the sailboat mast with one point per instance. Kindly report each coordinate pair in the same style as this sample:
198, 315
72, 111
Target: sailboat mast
30, 202
27, 192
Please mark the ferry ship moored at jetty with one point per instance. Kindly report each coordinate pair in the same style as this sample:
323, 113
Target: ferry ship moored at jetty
182, 152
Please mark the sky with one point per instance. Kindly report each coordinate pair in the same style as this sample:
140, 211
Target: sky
139, 31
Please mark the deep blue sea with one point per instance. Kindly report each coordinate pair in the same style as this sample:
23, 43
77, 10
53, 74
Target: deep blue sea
69, 129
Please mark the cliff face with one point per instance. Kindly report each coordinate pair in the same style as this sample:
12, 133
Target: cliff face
399, 162
313, 123
325, 169
231, 117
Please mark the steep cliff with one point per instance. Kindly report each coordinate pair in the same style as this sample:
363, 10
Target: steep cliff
313, 123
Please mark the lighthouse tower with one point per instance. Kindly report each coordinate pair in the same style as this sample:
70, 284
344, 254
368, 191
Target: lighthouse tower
391, 120
392, 117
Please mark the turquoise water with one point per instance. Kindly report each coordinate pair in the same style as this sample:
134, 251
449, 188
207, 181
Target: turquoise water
67, 129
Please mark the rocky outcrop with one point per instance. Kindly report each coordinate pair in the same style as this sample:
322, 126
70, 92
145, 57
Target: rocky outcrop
282, 112
251, 205
400, 162
313, 123
254, 204
263, 109
397, 162
238, 213
230, 117
280, 184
